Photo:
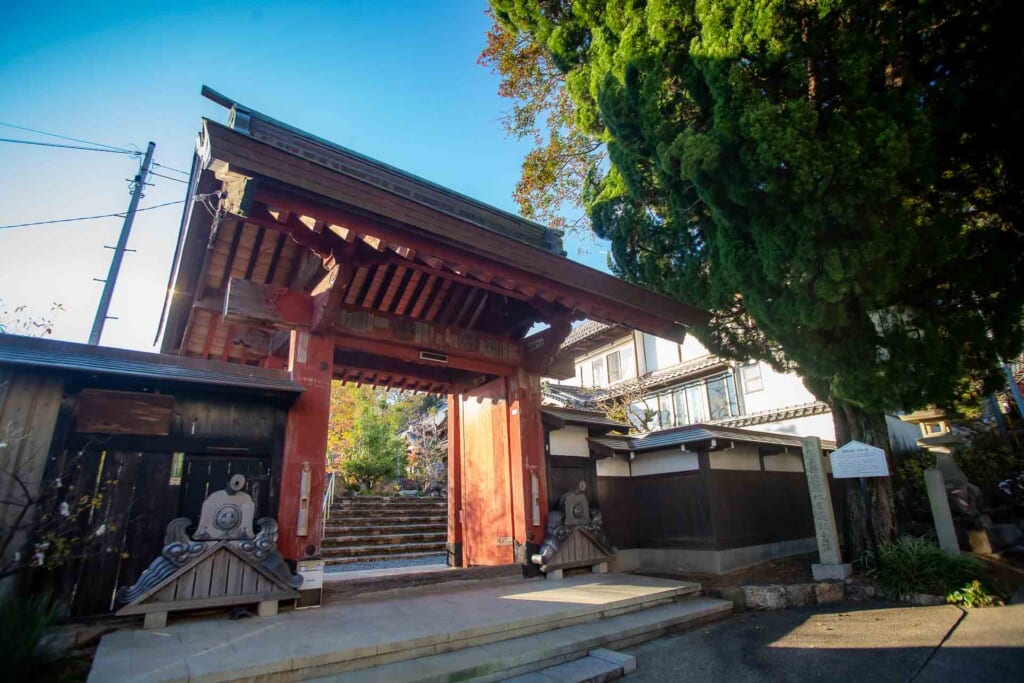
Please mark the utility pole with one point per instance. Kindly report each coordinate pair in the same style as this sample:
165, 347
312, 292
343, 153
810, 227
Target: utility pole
138, 184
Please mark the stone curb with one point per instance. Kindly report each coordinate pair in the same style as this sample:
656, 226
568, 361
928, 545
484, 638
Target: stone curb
783, 596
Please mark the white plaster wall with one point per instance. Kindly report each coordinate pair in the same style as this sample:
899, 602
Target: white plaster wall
664, 462
784, 462
780, 390
668, 353
738, 458
613, 467
820, 426
570, 440
692, 348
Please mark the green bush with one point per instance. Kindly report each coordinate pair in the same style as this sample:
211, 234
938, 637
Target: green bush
973, 595
25, 624
988, 460
918, 565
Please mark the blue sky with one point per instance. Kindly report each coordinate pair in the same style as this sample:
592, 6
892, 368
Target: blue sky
397, 81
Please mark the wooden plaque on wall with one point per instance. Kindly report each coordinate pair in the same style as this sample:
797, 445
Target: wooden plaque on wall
124, 412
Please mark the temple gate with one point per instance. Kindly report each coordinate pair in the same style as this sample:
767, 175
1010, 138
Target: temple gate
302, 255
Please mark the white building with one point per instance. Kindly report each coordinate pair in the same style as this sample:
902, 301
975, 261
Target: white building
673, 385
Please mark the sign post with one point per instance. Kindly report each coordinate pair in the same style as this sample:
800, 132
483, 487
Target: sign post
860, 460
830, 566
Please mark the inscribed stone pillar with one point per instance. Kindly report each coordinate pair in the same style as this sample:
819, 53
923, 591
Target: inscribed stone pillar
830, 560
939, 501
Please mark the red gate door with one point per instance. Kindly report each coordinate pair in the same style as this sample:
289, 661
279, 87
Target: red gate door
486, 490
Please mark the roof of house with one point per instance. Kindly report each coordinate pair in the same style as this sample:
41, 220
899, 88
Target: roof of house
694, 434
587, 397
583, 418
776, 415
82, 359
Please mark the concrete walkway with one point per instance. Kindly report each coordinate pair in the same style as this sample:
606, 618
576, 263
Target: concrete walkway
867, 643
368, 632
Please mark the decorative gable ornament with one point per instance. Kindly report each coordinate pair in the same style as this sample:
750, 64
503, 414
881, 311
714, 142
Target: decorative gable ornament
223, 564
574, 537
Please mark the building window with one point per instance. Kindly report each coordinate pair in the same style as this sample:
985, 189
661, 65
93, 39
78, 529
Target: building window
751, 376
721, 398
665, 411
614, 367
597, 372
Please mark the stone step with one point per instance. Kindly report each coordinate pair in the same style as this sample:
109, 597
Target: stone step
412, 581
598, 666
384, 529
390, 515
393, 550
391, 502
329, 561
494, 660
382, 539
453, 635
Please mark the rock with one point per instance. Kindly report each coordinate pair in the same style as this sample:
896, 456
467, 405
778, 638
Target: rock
828, 591
800, 595
1005, 535
860, 591
926, 599
765, 597
408, 493
1017, 598
733, 594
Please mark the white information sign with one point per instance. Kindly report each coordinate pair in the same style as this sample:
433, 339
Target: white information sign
856, 459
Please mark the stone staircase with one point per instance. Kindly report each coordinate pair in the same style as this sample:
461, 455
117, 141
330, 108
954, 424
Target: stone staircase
544, 630
371, 529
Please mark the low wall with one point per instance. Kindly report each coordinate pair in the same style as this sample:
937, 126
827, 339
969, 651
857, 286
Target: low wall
684, 560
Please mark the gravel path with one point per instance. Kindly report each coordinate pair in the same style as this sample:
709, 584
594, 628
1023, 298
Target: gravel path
440, 560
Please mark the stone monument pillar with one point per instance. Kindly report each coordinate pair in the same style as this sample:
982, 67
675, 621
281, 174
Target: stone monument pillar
939, 502
830, 566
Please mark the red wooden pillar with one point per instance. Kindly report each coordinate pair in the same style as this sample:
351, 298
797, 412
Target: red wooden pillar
454, 540
528, 466
310, 360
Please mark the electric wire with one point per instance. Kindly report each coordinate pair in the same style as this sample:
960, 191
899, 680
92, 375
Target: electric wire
89, 218
198, 198
54, 144
171, 168
167, 177
66, 137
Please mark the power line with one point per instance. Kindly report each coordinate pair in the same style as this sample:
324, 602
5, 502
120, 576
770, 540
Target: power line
89, 218
66, 137
54, 144
167, 177
171, 168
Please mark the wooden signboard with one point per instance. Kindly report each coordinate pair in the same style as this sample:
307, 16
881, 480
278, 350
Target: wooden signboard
124, 412
856, 459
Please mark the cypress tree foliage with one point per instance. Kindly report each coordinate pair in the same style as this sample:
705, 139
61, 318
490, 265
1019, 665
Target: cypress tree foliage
836, 180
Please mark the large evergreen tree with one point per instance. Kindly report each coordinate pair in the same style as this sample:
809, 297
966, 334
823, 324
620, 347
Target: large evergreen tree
836, 180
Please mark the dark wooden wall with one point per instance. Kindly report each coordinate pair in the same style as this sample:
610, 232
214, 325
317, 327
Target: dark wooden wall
657, 511
565, 472
127, 479
709, 509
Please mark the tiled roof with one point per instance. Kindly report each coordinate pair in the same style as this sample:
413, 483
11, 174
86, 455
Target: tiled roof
679, 436
71, 358
583, 417
588, 397
588, 329
775, 415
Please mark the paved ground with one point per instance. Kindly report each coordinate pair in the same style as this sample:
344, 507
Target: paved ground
433, 560
870, 643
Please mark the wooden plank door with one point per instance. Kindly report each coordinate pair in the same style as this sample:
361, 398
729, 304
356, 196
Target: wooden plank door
486, 489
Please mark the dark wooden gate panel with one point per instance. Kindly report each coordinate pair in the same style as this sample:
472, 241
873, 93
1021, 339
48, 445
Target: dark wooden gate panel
123, 501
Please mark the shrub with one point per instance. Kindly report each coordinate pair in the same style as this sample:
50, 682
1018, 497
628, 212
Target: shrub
973, 595
918, 565
25, 624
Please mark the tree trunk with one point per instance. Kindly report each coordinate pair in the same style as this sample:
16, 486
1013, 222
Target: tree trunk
853, 424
